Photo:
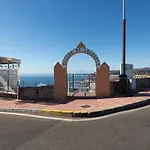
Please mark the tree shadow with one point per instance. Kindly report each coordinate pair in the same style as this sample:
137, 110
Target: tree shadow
140, 93
7, 98
52, 102
42, 102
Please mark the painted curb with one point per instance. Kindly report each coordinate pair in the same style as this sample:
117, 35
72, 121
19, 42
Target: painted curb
64, 113
80, 114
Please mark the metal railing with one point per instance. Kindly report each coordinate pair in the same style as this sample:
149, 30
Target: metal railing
81, 85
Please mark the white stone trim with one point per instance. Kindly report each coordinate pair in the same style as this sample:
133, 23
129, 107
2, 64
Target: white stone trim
80, 50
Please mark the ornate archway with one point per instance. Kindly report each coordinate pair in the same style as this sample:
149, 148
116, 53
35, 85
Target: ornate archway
102, 76
81, 49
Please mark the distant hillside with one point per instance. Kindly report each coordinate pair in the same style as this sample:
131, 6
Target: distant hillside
137, 71
142, 71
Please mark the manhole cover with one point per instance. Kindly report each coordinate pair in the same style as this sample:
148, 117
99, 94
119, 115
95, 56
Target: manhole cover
85, 106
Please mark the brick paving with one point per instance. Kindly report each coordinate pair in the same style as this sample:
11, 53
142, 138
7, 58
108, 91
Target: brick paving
78, 104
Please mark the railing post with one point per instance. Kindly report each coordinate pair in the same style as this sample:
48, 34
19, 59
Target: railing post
8, 77
89, 83
23, 84
18, 90
73, 82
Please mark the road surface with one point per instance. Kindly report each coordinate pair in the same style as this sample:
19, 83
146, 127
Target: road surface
127, 131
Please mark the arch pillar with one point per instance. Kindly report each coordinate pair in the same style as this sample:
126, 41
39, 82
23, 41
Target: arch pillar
103, 81
60, 82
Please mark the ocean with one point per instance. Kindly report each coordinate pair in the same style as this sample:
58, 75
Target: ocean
36, 80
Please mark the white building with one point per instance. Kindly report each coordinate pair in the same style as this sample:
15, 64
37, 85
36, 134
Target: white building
9, 74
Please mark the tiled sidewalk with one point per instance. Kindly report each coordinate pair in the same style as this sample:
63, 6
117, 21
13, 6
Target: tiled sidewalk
88, 105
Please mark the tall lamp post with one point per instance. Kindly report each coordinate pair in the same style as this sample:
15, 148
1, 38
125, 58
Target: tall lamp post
124, 37
123, 76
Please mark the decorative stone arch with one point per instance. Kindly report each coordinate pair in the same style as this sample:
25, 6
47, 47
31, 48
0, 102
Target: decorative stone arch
60, 74
81, 49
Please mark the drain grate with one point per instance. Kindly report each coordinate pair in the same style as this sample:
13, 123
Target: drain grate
85, 106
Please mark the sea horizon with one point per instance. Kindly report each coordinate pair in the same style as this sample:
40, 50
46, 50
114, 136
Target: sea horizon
32, 80
37, 74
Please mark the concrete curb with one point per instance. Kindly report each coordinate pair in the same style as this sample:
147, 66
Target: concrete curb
81, 114
119, 109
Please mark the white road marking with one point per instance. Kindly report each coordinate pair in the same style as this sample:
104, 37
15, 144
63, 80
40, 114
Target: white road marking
73, 119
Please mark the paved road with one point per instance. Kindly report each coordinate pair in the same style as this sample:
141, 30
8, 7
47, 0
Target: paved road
126, 131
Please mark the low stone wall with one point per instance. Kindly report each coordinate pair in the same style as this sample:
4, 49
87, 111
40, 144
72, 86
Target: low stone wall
47, 92
8, 95
37, 93
114, 87
117, 87
142, 83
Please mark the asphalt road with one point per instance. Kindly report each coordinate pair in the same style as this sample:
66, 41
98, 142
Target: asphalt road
126, 131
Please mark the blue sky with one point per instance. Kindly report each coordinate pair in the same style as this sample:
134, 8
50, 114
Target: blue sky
41, 32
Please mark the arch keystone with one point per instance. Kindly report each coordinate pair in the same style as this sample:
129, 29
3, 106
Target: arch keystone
80, 49
81, 45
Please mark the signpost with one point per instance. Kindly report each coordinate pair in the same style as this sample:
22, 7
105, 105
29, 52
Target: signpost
128, 70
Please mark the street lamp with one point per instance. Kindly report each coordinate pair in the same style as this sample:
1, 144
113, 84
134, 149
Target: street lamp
123, 76
124, 38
